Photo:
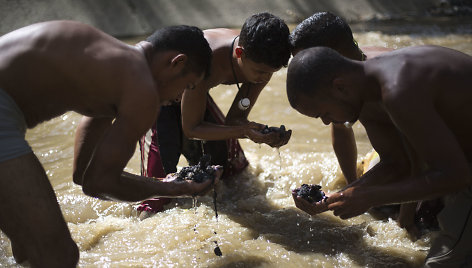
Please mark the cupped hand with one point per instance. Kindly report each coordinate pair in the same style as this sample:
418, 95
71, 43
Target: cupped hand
188, 188
253, 132
347, 204
255, 126
279, 140
310, 208
273, 139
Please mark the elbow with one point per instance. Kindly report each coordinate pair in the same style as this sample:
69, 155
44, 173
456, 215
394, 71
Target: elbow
189, 132
77, 177
91, 188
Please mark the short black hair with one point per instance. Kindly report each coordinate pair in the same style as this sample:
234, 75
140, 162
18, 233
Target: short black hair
322, 29
265, 39
188, 40
313, 70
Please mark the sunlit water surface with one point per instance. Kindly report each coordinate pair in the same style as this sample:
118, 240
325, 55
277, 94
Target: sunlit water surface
259, 226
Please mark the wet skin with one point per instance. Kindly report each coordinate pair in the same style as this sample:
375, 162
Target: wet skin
375, 121
425, 92
253, 77
54, 67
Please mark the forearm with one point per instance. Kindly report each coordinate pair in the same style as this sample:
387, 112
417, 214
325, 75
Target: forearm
344, 146
209, 131
428, 186
89, 132
131, 188
382, 173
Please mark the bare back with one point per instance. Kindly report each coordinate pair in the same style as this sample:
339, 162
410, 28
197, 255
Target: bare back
445, 83
53, 67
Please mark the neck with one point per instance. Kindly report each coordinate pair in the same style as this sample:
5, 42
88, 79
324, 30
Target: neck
369, 85
147, 49
235, 73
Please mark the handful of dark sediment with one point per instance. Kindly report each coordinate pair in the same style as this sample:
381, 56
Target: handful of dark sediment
281, 130
311, 193
198, 173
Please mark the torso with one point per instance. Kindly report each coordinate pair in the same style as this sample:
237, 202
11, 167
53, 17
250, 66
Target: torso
53, 67
220, 41
446, 81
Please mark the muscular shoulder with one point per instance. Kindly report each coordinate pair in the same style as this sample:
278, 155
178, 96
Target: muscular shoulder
219, 33
373, 51
139, 102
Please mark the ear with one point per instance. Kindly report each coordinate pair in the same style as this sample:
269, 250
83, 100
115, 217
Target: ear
239, 51
179, 62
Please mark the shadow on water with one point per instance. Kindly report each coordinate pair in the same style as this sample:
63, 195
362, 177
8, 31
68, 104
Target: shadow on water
293, 229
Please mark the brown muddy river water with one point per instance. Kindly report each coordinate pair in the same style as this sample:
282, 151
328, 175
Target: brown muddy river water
258, 224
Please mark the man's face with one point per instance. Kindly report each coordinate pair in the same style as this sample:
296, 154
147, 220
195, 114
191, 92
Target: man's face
256, 72
184, 81
328, 109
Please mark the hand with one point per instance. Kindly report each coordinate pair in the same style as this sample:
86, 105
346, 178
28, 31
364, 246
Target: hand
188, 188
274, 139
312, 209
406, 220
253, 132
348, 203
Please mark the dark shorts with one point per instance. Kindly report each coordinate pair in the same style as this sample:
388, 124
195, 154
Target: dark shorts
163, 144
12, 129
453, 245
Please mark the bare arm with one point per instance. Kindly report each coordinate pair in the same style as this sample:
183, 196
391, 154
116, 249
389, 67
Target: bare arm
251, 91
344, 145
237, 116
394, 162
87, 136
392, 166
237, 125
114, 146
434, 143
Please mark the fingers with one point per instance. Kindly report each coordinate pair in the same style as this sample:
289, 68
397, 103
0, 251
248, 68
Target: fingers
276, 140
256, 126
209, 184
306, 206
338, 203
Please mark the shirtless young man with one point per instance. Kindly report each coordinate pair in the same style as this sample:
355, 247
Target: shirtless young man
325, 29
328, 30
249, 57
426, 93
50, 68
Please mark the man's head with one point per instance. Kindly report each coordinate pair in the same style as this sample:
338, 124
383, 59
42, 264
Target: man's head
187, 54
264, 46
318, 85
327, 30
